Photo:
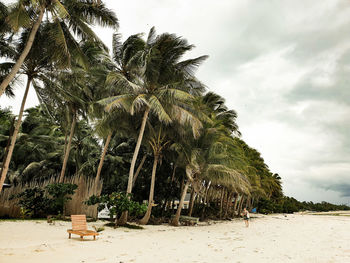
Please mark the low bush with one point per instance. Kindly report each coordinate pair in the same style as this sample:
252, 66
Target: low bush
117, 203
39, 202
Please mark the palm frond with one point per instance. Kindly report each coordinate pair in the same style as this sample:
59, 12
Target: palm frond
184, 116
189, 66
138, 103
18, 17
120, 101
158, 109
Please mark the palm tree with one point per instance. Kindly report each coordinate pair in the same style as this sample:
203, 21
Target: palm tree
108, 123
74, 91
34, 67
38, 147
209, 158
157, 143
160, 84
67, 18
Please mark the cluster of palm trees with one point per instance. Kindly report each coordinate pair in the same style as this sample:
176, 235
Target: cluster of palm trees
142, 98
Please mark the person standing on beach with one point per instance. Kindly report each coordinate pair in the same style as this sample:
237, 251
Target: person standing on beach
246, 216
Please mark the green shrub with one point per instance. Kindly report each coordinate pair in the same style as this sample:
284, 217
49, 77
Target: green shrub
59, 194
32, 202
117, 203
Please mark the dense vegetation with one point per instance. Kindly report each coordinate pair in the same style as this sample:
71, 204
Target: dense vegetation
291, 205
135, 117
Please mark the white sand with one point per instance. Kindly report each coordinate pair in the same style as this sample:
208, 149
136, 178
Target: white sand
274, 238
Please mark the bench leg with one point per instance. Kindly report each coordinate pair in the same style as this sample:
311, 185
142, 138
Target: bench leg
94, 237
70, 235
82, 237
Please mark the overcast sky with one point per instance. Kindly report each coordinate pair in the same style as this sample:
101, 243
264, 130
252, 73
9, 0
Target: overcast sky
284, 66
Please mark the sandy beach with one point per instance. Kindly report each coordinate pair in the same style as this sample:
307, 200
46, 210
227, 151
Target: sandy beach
273, 238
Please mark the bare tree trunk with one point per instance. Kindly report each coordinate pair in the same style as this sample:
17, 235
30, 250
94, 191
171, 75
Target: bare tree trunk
65, 141
99, 169
66, 155
14, 136
24, 53
228, 202
124, 217
176, 220
235, 206
193, 195
221, 201
174, 172
241, 205
138, 169
12, 127
146, 217
236, 202
169, 202
205, 199
248, 203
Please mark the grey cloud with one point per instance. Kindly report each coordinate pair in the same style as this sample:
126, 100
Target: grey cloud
338, 90
342, 188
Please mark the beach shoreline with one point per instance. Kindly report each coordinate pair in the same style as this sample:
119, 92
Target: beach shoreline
271, 238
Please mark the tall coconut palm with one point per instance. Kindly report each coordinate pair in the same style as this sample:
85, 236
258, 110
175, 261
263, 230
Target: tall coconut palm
67, 18
207, 157
157, 142
34, 67
107, 124
73, 91
162, 85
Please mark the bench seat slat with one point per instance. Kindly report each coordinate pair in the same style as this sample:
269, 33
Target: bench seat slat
79, 227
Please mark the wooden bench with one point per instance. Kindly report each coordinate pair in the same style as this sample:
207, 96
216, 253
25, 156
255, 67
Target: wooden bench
79, 227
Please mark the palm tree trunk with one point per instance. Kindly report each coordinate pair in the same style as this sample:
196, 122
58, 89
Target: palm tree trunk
66, 154
65, 141
240, 205
99, 169
205, 199
221, 202
24, 54
124, 217
193, 196
138, 169
235, 206
146, 217
8, 143
136, 151
176, 219
14, 136
228, 202
169, 203
174, 172
248, 203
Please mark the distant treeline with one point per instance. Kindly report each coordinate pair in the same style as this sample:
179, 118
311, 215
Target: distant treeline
291, 205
